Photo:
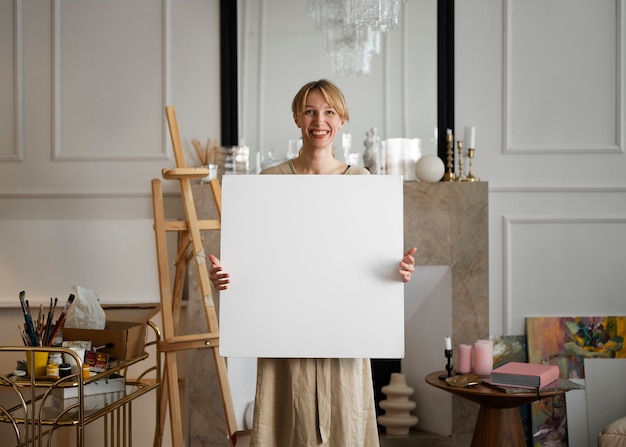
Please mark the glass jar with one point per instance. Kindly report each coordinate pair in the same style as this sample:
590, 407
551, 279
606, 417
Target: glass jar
65, 369
52, 370
55, 358
86, 371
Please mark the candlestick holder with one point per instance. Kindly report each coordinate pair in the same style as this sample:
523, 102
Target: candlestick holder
449, 175
460, 177
448, 353
470, 177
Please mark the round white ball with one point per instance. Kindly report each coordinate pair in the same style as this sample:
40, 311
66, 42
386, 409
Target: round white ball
429, 169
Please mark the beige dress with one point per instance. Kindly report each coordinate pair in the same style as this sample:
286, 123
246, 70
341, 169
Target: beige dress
314, 402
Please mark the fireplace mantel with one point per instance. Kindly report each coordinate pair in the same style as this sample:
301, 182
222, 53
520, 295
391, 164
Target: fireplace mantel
448, 223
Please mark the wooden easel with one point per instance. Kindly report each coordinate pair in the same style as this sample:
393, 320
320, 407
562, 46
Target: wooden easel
190, 248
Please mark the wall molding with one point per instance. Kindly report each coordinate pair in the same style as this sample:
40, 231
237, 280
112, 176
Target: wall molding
600, 189
18, 87
509, 222
405, 70
74, 194
492, 190
57, 147
509, 146
261, 88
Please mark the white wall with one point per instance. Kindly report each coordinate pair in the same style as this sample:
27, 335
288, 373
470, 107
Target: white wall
86, 85
543, 82
82, 126
549, 110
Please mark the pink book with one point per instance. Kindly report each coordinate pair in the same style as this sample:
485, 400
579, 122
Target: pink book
527, 375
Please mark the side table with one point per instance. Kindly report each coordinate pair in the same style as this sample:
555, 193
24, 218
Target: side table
499, 423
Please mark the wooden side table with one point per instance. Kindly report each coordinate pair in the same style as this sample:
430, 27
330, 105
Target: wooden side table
499, 423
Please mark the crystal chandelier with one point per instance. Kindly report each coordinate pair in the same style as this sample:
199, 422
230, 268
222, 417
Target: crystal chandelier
352, 30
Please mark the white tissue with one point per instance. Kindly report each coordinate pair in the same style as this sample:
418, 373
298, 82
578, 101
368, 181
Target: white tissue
86, 312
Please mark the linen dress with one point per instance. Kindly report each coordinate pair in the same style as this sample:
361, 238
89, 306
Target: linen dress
314, 402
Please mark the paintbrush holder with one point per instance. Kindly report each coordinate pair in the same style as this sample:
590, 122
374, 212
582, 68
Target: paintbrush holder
212, 173
36, 362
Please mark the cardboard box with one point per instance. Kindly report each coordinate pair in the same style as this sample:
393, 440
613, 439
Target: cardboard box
109, 384
125, 328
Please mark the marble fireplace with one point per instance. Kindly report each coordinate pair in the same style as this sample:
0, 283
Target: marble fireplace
448, 295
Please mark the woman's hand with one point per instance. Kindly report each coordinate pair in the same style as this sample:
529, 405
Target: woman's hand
407, 265
218, 277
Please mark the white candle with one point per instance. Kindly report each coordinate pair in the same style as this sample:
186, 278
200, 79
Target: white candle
472, 139
448, 344
449, 136
465, 359
483, 357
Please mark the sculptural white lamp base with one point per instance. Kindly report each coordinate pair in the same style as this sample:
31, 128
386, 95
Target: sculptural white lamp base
397, 419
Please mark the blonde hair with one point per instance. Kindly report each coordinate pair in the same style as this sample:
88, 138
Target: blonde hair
331, 93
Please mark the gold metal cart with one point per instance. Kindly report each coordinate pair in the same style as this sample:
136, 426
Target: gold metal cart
36, 415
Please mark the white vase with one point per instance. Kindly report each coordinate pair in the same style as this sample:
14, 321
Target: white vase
397, 419
429, 169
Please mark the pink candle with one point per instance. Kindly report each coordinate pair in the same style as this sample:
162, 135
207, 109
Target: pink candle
483, 357
465, 359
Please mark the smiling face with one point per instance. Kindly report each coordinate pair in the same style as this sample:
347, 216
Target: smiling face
319, 121
319, 110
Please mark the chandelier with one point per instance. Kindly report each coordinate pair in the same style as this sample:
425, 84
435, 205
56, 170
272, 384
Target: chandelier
352, 30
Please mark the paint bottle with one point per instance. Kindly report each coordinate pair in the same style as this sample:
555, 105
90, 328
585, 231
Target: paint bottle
55, 358
86, 371
65, 369
52, 370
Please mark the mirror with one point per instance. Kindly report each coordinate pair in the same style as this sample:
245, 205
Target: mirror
409, 92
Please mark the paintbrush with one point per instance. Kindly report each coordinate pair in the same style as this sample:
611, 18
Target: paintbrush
61, 319
46, 337
199, 151
108, 346
28, 320
23, 335
40, 318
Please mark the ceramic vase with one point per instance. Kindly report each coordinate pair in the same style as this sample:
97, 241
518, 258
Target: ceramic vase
397, 419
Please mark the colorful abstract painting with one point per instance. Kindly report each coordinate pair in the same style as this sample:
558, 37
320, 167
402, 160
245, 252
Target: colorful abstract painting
509, 348
566, 342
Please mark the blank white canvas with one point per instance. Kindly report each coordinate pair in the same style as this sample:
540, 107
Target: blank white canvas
313, 263
606, 396
577, 426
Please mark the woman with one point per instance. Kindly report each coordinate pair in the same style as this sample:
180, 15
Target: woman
315, 402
